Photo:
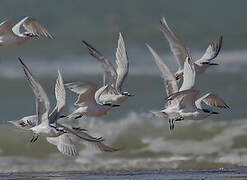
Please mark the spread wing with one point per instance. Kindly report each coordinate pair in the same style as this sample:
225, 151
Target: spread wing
211, 99
110, 74
122, 63
6, 27
60, 97
189, 75
169, 79
99, 92
64, 144
86, 91
105, 148
185, 98
176, 46
42, 102
33, 26
211, 52
79, 134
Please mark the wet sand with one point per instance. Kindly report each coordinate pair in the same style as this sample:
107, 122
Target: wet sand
157, 174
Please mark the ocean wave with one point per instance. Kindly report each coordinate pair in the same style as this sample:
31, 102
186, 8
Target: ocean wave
141, 64
147, 142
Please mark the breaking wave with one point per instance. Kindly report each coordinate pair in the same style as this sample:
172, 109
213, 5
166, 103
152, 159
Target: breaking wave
147, 142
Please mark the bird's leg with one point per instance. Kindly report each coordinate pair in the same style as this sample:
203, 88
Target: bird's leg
171, 124
34, 138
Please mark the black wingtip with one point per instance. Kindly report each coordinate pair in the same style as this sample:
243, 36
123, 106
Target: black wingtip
20, 60
84, 42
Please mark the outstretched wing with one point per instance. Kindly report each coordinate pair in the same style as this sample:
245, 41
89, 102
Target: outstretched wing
168, 77
64, 144
211, 52
186, 98
122, 63
110, 74
6, 27
60, 97
211, 99
79, 133
32, 26
176, 46
86, 91
42, 102
105, 148
99, 92
189, 75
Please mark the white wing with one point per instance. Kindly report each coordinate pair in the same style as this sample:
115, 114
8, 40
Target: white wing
189, 75
185, 98
86, 91
6, 27
176, 46
169, 79
32, 26
64, 144
110, 74
122, 63
60, 97
42, 101
99, 92
211, 52
211, 99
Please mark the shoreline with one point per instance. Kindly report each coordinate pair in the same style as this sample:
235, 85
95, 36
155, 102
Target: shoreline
231, 173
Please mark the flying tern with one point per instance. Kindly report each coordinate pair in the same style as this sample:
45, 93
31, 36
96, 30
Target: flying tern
180, 52
11, 35
113, 77
182, 103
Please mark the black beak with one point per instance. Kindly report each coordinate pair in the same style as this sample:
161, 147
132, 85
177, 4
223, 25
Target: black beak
213, 64
209, 63
131, 95
115, 105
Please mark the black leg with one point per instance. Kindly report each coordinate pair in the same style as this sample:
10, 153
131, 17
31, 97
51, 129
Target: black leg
171, 124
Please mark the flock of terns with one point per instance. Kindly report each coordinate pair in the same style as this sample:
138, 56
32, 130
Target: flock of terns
94, 100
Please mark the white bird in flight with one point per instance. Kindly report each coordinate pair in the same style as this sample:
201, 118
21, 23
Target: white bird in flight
43, 125
113, 77
59, 135
183, 103
89, 99
11, 35
180, 52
